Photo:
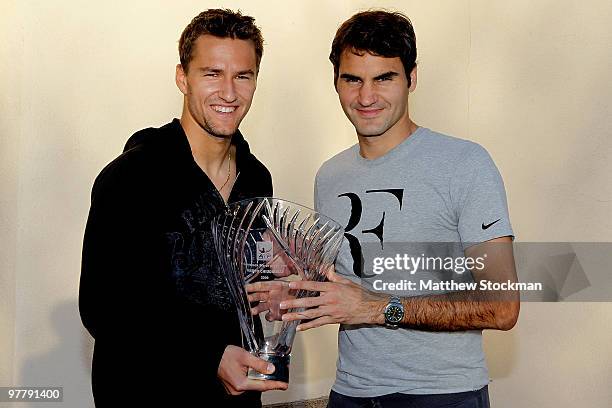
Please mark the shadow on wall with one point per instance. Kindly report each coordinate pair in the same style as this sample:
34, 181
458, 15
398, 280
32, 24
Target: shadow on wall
502, 352
312, 370
67, 364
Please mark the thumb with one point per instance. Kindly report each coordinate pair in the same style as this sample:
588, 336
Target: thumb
332, 276
260, 365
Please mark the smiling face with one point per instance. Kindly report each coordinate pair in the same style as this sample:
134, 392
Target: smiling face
373, 92
219, 84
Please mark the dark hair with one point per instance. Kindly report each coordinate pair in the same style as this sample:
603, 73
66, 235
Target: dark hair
223, 23
378, 32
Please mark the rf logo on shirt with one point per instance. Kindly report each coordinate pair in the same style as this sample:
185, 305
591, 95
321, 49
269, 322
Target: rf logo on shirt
355, 219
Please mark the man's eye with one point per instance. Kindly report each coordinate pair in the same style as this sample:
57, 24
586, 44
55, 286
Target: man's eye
352, 80
211, 75
384, 79
243, 77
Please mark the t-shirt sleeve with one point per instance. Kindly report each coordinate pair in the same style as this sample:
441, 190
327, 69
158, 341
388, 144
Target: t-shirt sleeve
479, 198
317, 204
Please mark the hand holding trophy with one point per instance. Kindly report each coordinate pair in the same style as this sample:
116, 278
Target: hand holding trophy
272, 242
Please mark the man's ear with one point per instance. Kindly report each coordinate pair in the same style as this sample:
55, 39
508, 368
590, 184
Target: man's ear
413, 79
181, 79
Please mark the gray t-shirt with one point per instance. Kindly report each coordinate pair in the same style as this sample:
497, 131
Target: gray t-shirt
430, 188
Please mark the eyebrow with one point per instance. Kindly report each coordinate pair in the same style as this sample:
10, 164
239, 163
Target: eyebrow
218, 71
351, 77
209, 69
386, 75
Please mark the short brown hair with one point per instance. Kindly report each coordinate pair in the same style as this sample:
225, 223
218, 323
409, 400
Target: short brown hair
223, 23
378, 32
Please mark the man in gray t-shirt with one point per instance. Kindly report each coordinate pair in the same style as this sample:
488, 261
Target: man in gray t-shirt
429, 188
405, 186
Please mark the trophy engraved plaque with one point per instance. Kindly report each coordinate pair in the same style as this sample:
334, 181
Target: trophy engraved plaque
274, 241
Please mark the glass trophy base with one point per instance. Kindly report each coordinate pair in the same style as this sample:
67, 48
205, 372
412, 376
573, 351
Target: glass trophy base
281, 365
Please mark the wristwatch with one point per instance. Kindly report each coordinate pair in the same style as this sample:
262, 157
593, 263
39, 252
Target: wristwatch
394, 312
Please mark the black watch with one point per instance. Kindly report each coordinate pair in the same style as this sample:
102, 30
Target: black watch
394, 312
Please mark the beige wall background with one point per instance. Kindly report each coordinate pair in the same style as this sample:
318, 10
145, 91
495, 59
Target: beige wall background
526, 79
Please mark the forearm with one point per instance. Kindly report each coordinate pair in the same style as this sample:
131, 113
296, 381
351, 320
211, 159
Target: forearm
454, 311
475, 309
343, 301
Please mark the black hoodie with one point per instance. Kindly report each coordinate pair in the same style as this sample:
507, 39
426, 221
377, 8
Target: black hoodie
151, 293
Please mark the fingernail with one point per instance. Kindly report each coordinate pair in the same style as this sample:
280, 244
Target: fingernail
270, 368
282, 305
292, 285
299, 328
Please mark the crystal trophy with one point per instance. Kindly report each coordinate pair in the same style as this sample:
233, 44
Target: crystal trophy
274, 241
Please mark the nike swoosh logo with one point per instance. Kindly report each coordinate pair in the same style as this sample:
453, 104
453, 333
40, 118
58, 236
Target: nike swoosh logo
484, 227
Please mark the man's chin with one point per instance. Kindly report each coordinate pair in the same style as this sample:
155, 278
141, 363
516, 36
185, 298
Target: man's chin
365, 132
369, 129
221, 133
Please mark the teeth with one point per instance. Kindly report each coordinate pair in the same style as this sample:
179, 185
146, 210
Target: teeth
224, 109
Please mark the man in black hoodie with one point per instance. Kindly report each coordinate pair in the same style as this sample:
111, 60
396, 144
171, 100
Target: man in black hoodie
151, 293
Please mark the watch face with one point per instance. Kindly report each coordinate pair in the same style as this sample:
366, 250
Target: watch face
394, 314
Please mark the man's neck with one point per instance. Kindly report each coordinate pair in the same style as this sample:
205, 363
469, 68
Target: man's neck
373, 147
209, 152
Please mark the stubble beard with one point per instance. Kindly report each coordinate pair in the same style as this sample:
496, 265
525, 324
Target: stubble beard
379, 131
208, 128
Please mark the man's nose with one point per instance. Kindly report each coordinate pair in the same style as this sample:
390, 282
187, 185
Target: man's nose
367, 94
228, 90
